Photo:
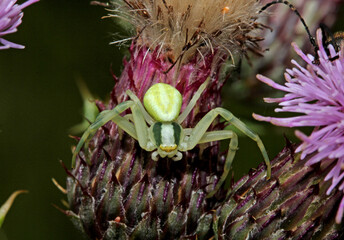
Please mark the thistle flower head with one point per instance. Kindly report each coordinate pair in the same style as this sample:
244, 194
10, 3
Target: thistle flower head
317, 93
182, 28
10, 18
116, 191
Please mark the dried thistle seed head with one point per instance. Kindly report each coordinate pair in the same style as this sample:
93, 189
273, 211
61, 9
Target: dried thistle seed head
181, 28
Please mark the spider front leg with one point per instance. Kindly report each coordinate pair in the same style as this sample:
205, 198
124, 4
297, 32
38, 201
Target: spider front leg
192, 102
101, 120
202, 126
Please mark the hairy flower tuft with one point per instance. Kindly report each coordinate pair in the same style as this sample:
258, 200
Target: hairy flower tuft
10, 18
316, 92
181, 28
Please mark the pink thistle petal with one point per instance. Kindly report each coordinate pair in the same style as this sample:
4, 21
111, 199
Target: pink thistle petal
10, 18
339, 215
301, 54
7, 44
332, 174
271, 83
335, 181
273, 100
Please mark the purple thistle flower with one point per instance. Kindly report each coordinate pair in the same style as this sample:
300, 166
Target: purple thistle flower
10, 18
316, 92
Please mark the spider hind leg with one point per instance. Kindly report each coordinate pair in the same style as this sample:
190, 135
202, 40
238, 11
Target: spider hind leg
233, 147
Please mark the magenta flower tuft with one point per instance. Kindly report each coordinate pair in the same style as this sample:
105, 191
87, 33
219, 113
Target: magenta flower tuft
316, 92
10, 18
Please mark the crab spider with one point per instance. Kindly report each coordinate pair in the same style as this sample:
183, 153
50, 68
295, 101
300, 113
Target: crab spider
161, 111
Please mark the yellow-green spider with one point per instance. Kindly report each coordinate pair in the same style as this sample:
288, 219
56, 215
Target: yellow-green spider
161, 111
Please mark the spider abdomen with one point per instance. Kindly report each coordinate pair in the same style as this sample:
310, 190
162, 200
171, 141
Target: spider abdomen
163, 102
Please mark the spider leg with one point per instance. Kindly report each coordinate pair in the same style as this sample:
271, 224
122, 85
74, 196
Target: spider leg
205, 122
101, 120
192, 102
141, 128
125, 125
183, 145
145, 114
233, 147
129, 117
187, 131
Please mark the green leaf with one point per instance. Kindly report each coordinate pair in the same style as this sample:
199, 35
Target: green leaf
7, 205
90, 109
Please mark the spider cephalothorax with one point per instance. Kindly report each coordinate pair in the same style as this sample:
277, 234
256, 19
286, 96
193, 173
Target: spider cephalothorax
165, 136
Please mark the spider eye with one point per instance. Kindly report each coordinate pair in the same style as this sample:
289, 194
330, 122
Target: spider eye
163, 102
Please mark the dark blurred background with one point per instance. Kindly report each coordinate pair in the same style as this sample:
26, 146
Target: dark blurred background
40, 101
